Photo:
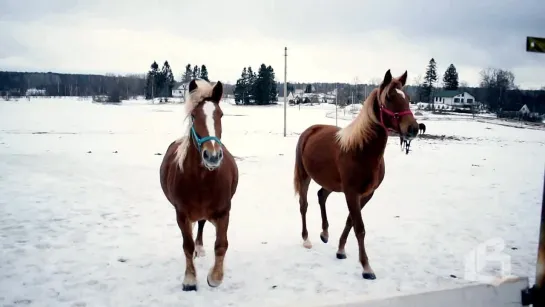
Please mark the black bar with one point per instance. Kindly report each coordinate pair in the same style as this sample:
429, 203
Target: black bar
538, 293
535, 44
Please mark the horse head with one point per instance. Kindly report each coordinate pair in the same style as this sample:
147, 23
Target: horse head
206, 117
395, 112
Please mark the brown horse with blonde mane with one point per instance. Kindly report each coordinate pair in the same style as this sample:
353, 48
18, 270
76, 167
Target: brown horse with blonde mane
351, 160
199, 177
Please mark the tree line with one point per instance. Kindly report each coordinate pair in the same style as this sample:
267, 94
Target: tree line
13, 83
256, 89
497, 89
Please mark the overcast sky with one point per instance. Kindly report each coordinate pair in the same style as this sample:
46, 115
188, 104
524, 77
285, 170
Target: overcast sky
333, 40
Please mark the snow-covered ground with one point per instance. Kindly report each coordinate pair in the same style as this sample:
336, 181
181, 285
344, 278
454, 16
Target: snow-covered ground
83, 221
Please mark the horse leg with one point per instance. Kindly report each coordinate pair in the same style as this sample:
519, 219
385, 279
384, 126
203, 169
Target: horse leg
190, 278
354, 208
322, 198
215, 277
199, 249
303, 206
341, 254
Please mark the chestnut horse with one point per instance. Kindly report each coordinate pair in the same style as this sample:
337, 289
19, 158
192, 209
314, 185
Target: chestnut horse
199, 178
351, 160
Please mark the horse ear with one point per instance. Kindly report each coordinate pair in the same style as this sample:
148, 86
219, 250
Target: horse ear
192, 85
217, 92
403, 78
387, 79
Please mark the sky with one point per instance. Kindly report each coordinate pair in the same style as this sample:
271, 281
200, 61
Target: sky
327, 41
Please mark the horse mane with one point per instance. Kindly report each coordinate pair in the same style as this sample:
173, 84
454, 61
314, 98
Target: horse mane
361, 130
192, 100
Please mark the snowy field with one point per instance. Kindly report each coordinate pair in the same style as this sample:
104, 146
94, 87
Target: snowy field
83, 221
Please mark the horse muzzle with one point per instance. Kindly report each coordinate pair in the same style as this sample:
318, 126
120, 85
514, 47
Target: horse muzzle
212, 160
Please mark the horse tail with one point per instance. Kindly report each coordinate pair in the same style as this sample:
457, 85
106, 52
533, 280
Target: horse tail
300, 174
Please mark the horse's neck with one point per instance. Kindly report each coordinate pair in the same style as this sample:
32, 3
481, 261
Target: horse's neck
379, 138
193, 157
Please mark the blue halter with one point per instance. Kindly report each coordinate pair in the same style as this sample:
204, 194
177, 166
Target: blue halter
201, 141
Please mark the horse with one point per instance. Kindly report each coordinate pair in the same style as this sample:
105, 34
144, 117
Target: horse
351, 160
199, 177
405, 144
421, 128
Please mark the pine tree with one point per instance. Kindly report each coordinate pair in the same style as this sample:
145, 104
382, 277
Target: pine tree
241, 88
204, 73
429, 79
187, 74
273, 93
151, 81
196, 72
251, 79
265, 87
167, 78
450, 78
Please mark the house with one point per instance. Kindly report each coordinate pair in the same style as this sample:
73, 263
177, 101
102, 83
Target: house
35, 92
180, 90
524, 110
454, 98
290, 98
299, 92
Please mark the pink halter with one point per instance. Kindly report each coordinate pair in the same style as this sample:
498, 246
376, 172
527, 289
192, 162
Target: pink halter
395, 115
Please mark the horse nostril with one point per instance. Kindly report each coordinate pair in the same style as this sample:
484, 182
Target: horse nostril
205, 154
220, 154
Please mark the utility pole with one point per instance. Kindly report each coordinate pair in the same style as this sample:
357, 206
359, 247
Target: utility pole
285, 86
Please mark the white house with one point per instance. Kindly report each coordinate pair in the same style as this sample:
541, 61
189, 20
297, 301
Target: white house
35, 92
524, 110
454, 98
290, 97
180, 91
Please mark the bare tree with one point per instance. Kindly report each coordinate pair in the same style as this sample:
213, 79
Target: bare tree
417, 80
496, 82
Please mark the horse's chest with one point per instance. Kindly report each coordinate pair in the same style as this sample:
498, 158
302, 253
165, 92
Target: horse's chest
198, 197
364, 178
196, 190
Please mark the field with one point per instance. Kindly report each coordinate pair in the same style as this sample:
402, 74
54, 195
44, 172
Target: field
83, 221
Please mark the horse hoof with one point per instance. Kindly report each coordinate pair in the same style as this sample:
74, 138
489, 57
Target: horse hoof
212, 284
324, 238
369, 276
199, 251
341, 256
189, 287
307, 244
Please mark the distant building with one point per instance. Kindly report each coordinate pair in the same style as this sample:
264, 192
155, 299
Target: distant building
454, 98
179, 92
524, 110
35, 92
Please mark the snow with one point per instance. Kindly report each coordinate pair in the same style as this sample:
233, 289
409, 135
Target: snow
83, 221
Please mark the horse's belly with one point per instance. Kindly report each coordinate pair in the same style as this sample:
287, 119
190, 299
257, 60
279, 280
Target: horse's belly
323, 170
